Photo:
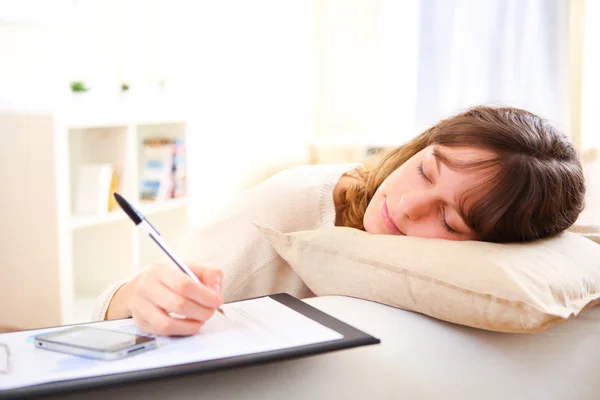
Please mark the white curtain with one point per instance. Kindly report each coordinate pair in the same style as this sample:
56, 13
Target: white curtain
588, 71
590, 87
510, 52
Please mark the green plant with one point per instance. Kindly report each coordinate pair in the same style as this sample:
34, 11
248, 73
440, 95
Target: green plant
124, 87
78, 87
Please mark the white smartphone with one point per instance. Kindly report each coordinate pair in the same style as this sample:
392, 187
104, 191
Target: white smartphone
95, 343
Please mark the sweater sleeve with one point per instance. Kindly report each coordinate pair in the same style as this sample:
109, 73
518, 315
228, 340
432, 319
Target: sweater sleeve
103, 301
299, 198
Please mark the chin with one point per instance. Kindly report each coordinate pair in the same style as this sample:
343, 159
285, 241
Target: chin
368, 225
371, 221
368, 229
373, 226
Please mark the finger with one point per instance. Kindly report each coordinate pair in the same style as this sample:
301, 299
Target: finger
163, 297
184, 286
143, 325
153, 320
211, 277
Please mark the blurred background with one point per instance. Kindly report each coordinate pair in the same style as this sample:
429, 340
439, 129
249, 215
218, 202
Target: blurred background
180, 105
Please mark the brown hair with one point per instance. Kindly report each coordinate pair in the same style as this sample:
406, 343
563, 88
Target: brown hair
537, 188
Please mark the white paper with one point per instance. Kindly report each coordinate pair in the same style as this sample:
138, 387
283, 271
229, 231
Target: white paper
250, 326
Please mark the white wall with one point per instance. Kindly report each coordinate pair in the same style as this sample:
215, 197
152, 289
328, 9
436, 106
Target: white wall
321, 62
242, 70
259, 79
590, 89
366, 71
40, 59
347, 55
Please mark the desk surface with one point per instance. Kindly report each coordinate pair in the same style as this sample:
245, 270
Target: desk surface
419, 358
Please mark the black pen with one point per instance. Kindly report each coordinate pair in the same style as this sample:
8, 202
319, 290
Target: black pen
147, 227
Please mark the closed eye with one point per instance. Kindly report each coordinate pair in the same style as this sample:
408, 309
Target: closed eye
447, 227
422, 172
444, 223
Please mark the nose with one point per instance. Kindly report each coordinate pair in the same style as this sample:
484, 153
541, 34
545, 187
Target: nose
415, 205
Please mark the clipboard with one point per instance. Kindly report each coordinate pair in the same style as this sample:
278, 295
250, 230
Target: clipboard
350, 338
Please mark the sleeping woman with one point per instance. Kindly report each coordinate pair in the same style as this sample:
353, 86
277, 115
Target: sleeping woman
489, 174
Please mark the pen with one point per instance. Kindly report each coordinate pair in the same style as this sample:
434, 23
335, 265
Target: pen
141, 221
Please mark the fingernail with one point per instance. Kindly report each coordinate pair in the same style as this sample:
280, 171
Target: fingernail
217, 288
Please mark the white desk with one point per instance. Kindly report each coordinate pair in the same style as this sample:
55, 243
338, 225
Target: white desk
419, 358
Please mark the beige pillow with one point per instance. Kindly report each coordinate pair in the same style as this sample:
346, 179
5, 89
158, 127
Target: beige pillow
498, 287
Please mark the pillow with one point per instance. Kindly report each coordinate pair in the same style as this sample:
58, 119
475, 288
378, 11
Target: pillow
499, 287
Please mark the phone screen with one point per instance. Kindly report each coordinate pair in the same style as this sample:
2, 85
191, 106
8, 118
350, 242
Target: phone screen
93, 338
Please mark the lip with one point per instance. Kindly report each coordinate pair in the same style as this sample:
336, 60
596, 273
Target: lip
387, 220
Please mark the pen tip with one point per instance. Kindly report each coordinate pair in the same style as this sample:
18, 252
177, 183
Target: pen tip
128, 208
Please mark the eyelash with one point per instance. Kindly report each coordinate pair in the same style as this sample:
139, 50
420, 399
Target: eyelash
422, 172
442, 214
445, 224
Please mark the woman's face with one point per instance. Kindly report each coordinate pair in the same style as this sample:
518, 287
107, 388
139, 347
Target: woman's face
421, 197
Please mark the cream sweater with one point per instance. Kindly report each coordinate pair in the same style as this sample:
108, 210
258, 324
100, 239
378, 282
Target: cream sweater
300, 198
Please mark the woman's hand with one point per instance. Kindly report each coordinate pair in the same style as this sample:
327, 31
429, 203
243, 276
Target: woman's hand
162, 289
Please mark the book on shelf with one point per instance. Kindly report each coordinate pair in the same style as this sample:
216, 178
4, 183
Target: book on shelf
95, 184
114, 187
163, 169
179, 170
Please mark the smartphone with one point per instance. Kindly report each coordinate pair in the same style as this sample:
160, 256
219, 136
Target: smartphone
96, 343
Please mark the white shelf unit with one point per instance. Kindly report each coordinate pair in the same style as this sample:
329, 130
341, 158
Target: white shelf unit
66, 260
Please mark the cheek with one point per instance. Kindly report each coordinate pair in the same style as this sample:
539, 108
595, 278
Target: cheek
430, 229
398, 183
371, 217
393, 187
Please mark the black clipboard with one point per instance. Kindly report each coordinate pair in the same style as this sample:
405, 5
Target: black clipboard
352, 337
